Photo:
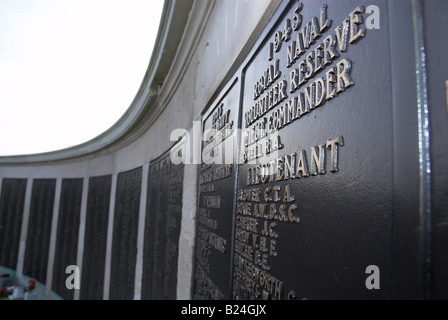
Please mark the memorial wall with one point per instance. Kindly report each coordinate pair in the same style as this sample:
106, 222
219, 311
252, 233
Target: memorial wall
275, 150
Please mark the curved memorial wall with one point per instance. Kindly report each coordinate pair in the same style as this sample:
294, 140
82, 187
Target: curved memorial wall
275, 150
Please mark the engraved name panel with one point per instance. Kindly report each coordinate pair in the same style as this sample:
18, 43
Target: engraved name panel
158, 211
162, 229
11, 213
216, 198
152, 204
39, 229
314, 197
124, 243
67, 234
95, 238
172, 231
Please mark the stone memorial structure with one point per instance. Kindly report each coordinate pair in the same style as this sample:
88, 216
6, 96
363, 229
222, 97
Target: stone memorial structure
275, 150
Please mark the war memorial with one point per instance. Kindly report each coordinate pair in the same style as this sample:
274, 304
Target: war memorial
276, 150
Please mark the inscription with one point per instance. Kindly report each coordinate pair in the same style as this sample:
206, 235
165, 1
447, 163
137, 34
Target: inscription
213, 239
269, 94
212, 201
310, 70
173, 222
214, 137
11, 213
269, 76
163, 224
67, 234
295, 165
124, 244
216, 202
95, 243
39, 229
261, 210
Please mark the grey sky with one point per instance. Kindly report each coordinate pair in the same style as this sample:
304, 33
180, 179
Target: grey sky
69, 68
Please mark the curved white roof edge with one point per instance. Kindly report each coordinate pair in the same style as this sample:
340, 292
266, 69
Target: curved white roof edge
172, 23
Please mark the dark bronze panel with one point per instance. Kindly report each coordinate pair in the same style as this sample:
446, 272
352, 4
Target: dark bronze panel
39, 229
95, 238
406, 269
152, 203
314, 196
160, 223
11, 213
216, 199
172, 231
124, 243
162, 229
173, 224
435, 30
67, 234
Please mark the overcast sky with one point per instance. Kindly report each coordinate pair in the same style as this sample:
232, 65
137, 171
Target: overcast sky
69, 68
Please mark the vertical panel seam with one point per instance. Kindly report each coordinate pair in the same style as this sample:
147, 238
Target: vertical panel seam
423, 145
